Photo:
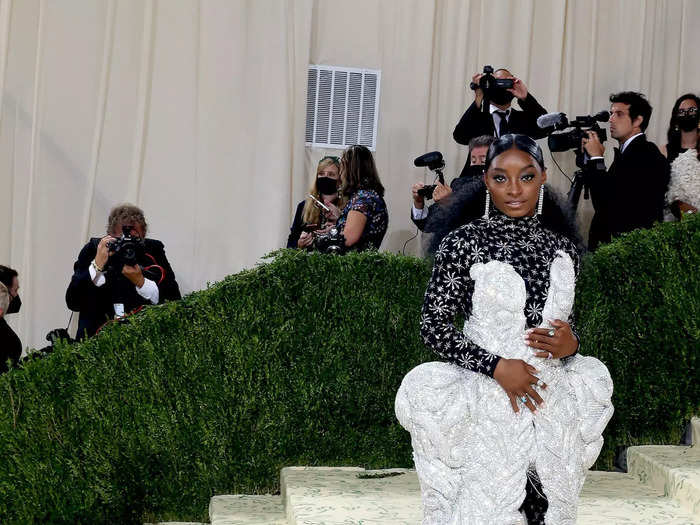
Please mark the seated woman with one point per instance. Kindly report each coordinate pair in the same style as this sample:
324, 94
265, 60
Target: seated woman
683, 194
364, 220
311, 217
510, 425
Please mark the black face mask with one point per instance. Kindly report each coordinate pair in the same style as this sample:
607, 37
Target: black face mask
475, 170
688, 122
500, 96
326, 185
15, 305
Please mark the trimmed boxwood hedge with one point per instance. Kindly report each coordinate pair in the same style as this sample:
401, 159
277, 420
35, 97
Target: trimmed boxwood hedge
297, 362
638, 311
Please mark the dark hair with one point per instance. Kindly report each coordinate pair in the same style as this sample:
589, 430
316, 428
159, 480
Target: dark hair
6, 275
520, 142
639, 105
673, 135
481, 141
360, 171
556, 215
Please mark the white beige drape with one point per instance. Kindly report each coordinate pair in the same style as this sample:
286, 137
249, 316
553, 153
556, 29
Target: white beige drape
194, 110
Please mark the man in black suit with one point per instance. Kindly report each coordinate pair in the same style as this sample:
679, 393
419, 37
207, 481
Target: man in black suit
499, 118
630, 195
103, 287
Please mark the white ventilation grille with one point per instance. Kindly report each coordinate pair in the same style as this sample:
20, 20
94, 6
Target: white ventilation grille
342, 107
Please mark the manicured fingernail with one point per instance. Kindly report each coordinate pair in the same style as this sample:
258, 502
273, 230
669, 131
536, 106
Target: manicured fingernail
529, 330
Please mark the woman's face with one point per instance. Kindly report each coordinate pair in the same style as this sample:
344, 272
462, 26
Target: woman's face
331, 171
513, 180
687, 104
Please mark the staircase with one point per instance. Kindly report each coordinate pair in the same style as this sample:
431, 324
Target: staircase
662, 487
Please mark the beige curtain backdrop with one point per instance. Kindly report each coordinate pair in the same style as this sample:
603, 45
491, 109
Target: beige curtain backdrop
194, 110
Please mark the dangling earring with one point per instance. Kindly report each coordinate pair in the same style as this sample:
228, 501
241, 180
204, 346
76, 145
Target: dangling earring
541, 200
488, 202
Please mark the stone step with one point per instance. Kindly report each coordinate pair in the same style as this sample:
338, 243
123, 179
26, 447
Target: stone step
246, 510
335, 496
695, 428
673, 470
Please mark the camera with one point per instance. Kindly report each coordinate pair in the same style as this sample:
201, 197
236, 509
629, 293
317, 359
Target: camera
580, 127
488, 82
128, 249
434, 162
331, 242
571, 140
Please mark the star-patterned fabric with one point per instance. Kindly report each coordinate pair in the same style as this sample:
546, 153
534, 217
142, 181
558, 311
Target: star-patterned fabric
523, 243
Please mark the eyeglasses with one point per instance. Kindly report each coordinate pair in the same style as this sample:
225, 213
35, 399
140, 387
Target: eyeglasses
687, 111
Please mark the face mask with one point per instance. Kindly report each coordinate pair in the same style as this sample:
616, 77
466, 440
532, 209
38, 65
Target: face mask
500, 96
688, 122
14, 306
476, 170
326, 185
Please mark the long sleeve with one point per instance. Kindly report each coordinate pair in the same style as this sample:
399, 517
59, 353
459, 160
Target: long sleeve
168, 289
449, 293
81, 289
297, 226
531, 110
473, 123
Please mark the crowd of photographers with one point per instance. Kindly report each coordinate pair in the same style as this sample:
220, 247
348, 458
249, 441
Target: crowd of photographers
123, 271
643, 185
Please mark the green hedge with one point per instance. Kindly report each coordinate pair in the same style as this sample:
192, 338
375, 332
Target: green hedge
638, 310
297, 362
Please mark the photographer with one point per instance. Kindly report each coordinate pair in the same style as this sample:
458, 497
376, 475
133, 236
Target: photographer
119, 273
499, 118
457, 204
629, 195
10, 344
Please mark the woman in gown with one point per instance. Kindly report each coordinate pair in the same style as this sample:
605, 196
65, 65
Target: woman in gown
505, 431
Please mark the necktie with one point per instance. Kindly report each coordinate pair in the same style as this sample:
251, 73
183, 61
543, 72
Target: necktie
503, 124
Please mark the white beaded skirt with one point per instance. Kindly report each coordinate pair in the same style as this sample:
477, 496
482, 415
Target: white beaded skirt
472, 452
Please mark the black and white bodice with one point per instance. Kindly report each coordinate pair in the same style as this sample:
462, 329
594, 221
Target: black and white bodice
523, 243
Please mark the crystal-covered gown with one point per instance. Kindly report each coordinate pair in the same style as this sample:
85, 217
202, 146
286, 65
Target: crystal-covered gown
472, 452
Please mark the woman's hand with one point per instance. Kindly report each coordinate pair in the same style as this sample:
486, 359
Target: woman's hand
518, 378
334, 213
552, 343
684, 207
305, 240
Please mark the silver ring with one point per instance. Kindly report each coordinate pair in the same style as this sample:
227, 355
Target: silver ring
540, 383
549, 355
523, 400
551, 332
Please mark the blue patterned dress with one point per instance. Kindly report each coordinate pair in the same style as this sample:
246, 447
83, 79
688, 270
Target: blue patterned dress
372, 206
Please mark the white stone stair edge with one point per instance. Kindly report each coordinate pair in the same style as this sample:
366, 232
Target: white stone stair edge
643, 462
286, 498
695, 429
